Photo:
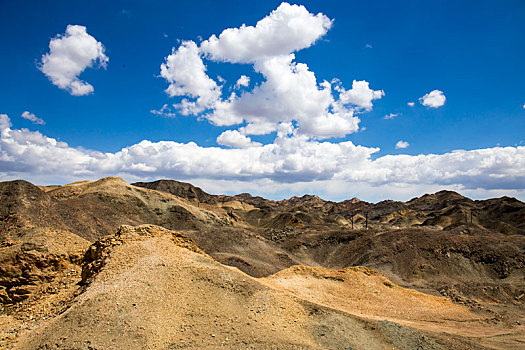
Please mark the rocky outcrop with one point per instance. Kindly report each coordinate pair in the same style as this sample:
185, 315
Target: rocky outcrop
34, 258
179, 189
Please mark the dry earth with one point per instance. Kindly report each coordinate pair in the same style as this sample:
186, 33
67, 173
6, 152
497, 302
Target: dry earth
150, 288
246, 272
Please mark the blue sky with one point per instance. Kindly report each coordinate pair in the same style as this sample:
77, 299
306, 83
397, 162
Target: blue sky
470, 51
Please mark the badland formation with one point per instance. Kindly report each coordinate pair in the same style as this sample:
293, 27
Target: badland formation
165, 265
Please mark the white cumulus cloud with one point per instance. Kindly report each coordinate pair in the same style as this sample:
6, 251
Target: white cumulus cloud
33, 118
243, 81
433, 99
186, 74
402, 144
360, 95
411, 104
69, 55
287, 29
289, 161
233, 138
289, 92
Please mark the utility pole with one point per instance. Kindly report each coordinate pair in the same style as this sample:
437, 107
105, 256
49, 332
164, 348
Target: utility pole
366, 222
352, 219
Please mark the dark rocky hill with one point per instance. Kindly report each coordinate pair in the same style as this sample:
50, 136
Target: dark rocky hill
179, 189
445, 208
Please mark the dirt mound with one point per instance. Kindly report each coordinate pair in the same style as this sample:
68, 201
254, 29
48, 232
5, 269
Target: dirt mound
505, 215
364, 292
127, 204
482, 272
153, 292
76, 189
304, 199
414, 254
97, 255
24, 205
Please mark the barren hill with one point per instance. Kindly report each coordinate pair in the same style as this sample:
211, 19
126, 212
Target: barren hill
438, 263
445, 208
93, 209
153, 288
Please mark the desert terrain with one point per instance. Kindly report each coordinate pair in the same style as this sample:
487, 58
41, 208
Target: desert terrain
164, 265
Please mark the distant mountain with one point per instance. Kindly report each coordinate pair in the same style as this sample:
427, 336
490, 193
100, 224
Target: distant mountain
442, 209
179, 189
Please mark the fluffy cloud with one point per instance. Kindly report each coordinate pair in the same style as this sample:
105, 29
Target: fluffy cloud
402, 144
69, 55
233, 138
243, 81
33, 118
490, 168
411, 104
360, 95
285, 163
433, 99
290, 91
287, 29
24, 153
391, 116
186, 74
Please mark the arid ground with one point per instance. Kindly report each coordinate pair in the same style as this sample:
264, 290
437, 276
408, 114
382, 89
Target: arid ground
165, 265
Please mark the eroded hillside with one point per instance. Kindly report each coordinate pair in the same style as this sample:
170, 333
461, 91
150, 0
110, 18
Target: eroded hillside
440, 271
